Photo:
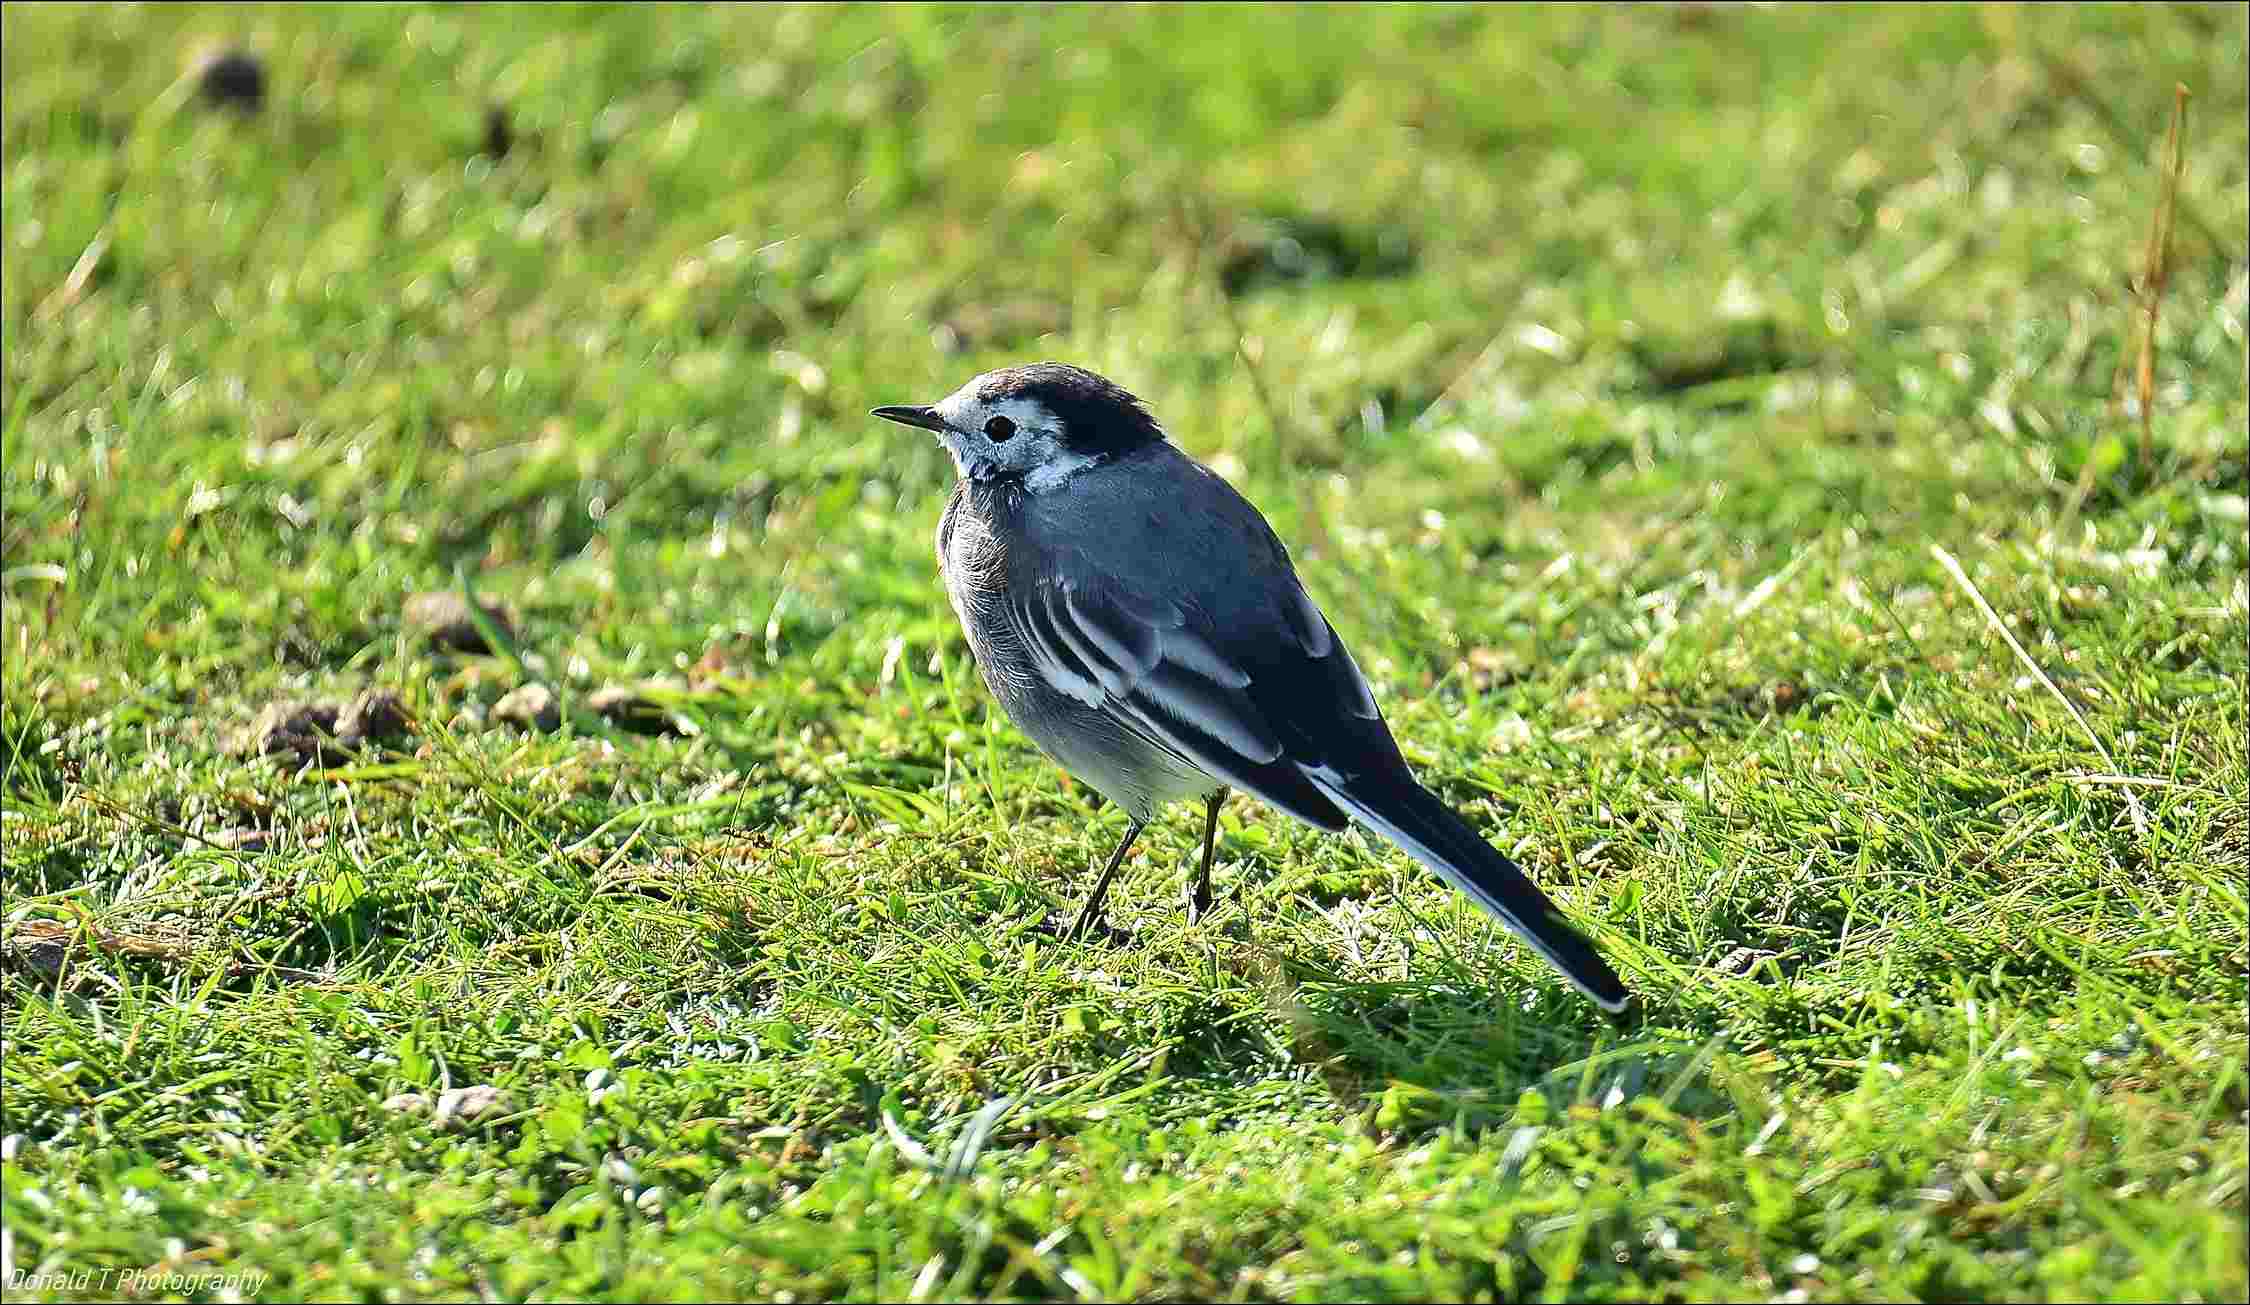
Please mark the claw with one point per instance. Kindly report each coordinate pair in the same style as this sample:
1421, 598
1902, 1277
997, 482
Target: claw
1199, 901
1099, 930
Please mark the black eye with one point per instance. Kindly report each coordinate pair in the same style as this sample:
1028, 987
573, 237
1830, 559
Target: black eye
1000, 430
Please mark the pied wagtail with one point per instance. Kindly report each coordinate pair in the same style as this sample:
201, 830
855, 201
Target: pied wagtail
1141, 622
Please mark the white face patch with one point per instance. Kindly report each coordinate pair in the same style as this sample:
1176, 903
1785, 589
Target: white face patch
1034, 450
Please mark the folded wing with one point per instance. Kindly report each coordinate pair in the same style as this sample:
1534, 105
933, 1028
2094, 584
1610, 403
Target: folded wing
1250, 717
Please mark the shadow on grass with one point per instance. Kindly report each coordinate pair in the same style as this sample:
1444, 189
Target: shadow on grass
1433, 1054
1410, 1055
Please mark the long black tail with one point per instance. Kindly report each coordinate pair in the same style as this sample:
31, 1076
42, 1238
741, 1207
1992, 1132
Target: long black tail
1428, 830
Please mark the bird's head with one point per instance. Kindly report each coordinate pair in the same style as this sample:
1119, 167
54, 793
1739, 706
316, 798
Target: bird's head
1040, 424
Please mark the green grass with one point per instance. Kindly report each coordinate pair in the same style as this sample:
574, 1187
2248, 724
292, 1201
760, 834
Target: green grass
1613, 374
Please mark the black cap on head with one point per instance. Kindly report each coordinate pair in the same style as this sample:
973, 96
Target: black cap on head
1098, 415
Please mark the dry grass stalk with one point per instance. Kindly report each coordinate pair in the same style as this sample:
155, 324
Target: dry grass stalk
2156, 269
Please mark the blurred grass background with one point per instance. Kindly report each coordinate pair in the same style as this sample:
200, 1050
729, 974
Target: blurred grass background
1612, 372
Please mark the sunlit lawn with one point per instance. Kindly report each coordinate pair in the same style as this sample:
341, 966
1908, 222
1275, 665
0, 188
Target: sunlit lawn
1627, 382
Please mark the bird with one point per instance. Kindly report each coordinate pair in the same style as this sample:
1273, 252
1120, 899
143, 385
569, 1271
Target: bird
1140, 621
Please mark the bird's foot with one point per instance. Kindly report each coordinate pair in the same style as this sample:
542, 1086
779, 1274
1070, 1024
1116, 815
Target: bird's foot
1098, 930
1199, 901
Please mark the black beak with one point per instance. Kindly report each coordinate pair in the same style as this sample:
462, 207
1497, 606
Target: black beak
911, 415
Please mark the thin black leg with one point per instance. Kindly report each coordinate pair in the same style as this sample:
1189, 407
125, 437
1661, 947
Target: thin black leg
1093, 908
1199, 902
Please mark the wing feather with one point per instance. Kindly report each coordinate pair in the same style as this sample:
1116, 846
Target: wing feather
1067, 665
1165, 672
1130, 645
1191, 651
